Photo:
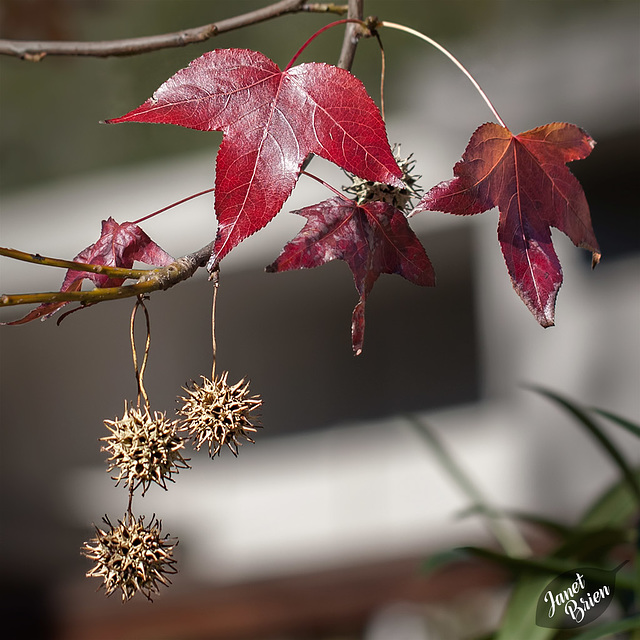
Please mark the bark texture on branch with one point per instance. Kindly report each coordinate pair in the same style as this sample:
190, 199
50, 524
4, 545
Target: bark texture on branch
36, 50
351, 36
152, 280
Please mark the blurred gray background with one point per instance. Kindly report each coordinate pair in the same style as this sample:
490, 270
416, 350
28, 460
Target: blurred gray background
338, 495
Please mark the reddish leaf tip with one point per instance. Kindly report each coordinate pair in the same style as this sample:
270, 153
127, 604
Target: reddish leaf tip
547, 318
373, 239
357, 327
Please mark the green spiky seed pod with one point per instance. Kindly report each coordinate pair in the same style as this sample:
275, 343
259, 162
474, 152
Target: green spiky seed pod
368, 191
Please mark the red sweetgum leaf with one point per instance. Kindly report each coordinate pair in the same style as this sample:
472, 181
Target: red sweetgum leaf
272, 120
526, 177
119, 245
372, 238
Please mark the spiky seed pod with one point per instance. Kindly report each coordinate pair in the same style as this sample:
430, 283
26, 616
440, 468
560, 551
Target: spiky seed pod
368, 191
144, 448
131, 557
218, 414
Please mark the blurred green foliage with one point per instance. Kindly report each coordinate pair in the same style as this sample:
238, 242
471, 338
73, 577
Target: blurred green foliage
606, 533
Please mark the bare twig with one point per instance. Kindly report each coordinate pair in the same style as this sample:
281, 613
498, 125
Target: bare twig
36, 258
153, 280
325, 7
351, 36
36, 50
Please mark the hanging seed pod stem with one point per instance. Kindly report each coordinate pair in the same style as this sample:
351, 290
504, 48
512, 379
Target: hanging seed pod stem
139, 370
215, 278
215, 413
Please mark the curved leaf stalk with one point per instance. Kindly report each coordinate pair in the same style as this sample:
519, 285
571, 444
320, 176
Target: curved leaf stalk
383, 70
324, 184
439, 47
175, 204
317, 33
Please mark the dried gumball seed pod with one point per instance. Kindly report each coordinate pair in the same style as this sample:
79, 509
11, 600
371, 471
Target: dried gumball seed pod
217, 414
144, 448
131, 557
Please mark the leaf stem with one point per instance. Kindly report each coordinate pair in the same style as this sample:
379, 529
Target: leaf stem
325, 184
439, 47
175, 204
317, 33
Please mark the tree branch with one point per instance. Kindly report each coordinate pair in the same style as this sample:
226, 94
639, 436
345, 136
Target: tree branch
152, 280
36, 50
36, 258
352, 34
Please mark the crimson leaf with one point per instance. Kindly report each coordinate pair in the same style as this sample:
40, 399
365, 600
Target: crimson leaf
119, 245
526, 177
272, 120
372, 238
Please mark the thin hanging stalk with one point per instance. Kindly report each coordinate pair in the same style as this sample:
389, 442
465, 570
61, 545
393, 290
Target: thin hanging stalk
139, 370
439, 47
